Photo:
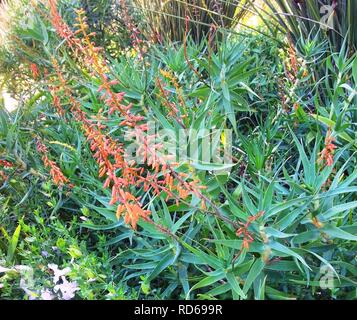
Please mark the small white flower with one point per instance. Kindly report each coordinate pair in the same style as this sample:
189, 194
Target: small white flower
57, 272
67, 288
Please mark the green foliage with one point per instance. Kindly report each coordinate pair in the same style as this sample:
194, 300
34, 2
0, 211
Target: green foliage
300, 212
105, 19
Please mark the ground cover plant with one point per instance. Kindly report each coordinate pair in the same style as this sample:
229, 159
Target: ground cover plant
177, 152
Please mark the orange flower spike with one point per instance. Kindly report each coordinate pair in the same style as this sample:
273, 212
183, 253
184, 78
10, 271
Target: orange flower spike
329, 149
58, 177
315, 221
106, 183
108, 153
102, 172
61, 27
120, 210
35, 71
6, 164
127, 219
203, 205
133, 213
245, 244
247, 238
114, 198
170, 77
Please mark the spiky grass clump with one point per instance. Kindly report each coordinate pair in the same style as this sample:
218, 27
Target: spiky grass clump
167, 18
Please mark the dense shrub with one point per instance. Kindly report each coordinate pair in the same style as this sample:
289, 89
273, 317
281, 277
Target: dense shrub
277, 220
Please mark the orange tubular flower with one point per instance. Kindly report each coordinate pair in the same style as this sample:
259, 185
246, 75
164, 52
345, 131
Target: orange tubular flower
61, 27
173, 111
247, 237
318, 224
35, 71
329, 149
132, 213
167, 75
58, 177
4, 164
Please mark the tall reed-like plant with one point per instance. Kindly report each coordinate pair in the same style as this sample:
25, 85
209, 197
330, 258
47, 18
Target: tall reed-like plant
167, 18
